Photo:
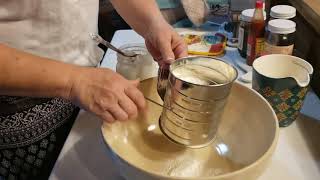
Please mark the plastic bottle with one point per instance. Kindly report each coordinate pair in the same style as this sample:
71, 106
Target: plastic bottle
256, 34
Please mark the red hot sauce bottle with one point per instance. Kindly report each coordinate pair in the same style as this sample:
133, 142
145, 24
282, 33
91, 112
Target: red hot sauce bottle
256, 34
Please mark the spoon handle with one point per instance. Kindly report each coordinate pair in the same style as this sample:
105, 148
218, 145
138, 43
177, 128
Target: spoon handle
99, 39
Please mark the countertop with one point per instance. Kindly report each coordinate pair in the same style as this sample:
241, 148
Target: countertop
84, 157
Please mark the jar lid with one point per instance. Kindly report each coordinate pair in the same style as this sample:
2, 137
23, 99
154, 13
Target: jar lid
283, 12
246, 15
281, 26
137, 48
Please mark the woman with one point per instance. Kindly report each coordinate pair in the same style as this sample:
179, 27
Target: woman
47, 61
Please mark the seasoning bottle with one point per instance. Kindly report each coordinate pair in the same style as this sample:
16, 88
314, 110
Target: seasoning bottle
283, 12
256, 34
245, 23
280, 37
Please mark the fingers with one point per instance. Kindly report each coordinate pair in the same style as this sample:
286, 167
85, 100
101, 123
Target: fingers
120, 105
122, 110
180, 50
106, 116
152, 50
129, 107
131, 101
136, 96
165, 49
118, 113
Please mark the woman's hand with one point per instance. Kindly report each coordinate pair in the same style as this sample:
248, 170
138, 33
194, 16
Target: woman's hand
164, 44
144, 17
106, 94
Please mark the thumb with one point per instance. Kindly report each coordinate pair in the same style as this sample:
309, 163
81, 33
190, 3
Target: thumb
166, 51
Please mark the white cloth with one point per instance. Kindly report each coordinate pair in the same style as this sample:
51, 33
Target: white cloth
57, 29
196, 10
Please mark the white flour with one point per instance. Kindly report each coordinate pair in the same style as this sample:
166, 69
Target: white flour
194, 74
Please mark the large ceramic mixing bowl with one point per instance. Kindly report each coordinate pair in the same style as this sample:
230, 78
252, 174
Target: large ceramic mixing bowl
245, 143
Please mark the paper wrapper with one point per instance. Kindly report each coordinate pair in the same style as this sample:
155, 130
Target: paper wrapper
209, 44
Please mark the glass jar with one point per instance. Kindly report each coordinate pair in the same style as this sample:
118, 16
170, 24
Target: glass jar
280, 37
141, 66
245, 23
283, 12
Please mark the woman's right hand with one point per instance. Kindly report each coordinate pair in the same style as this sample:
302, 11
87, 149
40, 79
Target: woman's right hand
106, 94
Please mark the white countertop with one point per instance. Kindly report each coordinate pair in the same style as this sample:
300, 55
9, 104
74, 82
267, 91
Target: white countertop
84, 157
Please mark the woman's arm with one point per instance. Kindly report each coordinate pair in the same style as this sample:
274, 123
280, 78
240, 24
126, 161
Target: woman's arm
144, 16
23, 74
98, 90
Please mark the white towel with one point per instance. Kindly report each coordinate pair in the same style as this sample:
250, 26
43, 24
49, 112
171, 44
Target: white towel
196, 10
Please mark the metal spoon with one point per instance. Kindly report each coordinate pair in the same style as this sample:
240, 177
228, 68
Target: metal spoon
100, 40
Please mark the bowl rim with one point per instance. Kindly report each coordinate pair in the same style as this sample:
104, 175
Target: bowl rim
269, 151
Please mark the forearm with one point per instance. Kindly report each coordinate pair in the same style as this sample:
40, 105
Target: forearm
141, 15
23, 74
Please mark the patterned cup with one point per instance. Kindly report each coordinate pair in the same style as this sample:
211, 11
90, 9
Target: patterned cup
283, 80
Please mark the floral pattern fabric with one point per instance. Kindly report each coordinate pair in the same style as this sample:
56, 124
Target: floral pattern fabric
32, 133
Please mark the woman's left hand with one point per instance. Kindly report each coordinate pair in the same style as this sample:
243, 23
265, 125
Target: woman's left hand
164, 44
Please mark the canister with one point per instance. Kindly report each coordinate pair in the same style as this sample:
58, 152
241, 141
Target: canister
196, 93
141, 66
280, 37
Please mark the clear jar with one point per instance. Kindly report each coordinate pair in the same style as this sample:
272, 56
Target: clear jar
280, 37
283, 12
245, 23
142, 66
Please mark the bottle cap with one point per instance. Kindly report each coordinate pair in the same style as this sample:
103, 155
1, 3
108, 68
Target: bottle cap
259, 4
283, 12
281, 26
246, 15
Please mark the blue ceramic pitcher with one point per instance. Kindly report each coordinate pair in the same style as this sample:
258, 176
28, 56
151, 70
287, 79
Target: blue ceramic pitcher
283, 80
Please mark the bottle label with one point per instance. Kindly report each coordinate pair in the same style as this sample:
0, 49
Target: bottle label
250, 50
241, 37
250, 46
272, 49
259, 46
